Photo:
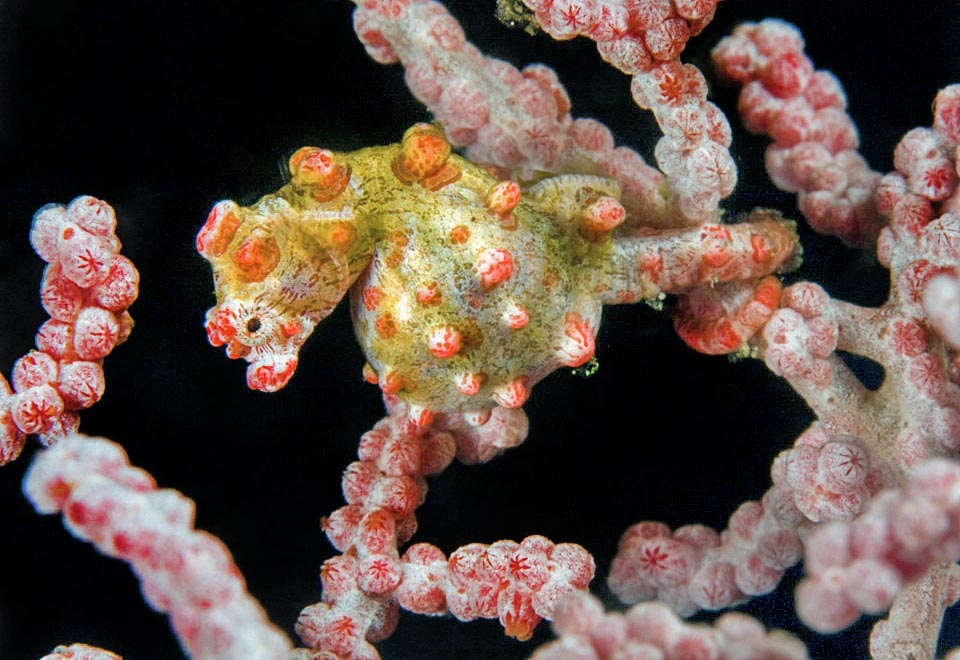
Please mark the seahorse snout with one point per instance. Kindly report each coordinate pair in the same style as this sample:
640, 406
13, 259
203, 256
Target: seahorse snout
267, 339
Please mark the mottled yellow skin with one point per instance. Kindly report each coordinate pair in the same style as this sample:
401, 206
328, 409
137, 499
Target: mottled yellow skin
551, 277
414, 249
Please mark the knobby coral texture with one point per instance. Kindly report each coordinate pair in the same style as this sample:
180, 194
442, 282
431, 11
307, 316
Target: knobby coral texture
513, 410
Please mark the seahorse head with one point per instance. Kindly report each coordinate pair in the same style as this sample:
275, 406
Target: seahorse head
277, 272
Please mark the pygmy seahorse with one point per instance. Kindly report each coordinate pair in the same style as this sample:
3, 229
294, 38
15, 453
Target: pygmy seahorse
466, 290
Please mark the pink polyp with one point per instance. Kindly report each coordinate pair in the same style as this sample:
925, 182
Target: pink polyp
377, 532
95, 333
48, 222
35, 410
81, 384
714, 587
61, 298
85, 258
872, 585
34, 369
842, 466
55, 338
12, 438
824, 607
119, 290
787, 74
946, 113
341, 526
93, 215
358, 480
378, 574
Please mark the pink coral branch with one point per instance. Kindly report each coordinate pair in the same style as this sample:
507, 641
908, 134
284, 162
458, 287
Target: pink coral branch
676, 260
862, 565
86, 289
652, 631
804, 110
644, 39
184, 572
364, 588
823, 477
513, 119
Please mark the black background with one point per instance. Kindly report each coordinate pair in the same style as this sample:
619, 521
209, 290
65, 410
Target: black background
164, 108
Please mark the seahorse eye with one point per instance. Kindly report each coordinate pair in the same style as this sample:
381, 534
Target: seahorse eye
253, 325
